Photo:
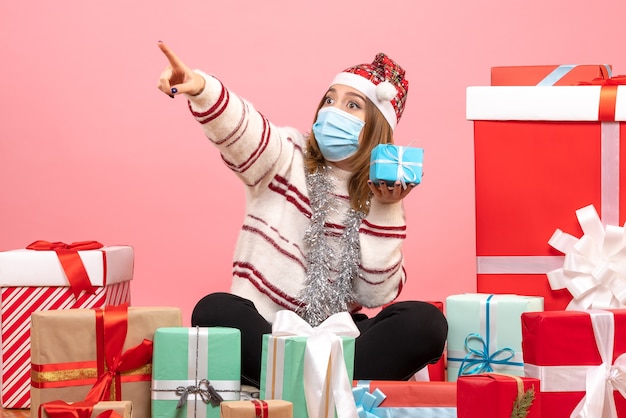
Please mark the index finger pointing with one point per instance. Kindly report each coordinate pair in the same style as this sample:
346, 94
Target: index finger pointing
171, 57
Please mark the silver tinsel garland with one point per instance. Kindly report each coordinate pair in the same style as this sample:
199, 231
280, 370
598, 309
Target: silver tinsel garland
322, 296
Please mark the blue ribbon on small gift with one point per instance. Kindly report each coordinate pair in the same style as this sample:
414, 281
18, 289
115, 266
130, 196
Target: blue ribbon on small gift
366, 402
480, 360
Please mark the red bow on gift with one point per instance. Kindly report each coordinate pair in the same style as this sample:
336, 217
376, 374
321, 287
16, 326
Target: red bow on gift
71, 262
608, 95
111, 329
62, 409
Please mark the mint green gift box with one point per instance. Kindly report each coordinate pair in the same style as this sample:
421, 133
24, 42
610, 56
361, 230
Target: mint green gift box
282, 369
391, 163
186, 361
485, 333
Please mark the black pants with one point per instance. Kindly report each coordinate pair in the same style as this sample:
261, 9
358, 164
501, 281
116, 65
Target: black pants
400, 340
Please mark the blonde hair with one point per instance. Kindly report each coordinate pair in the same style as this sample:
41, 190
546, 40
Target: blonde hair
376, 131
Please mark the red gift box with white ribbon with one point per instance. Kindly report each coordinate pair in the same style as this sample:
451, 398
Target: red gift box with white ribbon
541, 153
579, 358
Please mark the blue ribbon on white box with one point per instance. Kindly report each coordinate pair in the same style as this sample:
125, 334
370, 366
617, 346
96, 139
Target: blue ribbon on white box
483, 359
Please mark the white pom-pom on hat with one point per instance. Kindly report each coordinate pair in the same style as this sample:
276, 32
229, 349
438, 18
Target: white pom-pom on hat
385, 91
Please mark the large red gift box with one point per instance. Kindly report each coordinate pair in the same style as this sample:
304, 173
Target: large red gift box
579, 356
541, 153
547, 75
36, 280
493, 395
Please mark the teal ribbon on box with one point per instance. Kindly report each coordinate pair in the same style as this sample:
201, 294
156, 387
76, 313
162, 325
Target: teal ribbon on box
480, 360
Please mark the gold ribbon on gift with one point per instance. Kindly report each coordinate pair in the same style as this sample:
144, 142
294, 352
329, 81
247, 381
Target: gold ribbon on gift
112, 365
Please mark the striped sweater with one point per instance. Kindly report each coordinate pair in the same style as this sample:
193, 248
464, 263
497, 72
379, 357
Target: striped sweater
269, 265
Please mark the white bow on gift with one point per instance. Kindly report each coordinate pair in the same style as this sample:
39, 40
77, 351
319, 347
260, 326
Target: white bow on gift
603, 379
594, 270
326, 381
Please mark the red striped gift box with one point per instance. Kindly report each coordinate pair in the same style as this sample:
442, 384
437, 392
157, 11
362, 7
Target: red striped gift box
35, 281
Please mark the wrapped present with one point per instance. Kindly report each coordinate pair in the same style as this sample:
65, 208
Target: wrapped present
311, 367
96, 355
540, 154
193, 370
105, 409
494, 395
485, 333
399, 399
256, 408
391, 163
579, 357
51, 276
547, 75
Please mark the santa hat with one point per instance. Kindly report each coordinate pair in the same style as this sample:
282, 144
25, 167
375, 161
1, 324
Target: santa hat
382, 82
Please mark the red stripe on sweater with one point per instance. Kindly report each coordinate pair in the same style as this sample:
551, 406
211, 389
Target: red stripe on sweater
293, 196
245, 165
398, 236
248, 272
256, 231
289, 186
237, 128
215, 110
385, 228
259, 220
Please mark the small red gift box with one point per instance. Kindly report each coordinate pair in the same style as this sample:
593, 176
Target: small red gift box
493, 395
541, 153
579, 356
547, 75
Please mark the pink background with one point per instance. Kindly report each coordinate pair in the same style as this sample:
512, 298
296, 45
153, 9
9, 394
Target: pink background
90, 149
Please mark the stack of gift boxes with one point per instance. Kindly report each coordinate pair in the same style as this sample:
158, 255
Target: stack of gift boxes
543, 336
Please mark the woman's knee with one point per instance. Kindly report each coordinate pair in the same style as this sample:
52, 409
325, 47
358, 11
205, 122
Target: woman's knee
215, 309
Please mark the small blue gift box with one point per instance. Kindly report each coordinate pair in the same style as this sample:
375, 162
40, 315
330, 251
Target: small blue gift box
391, 163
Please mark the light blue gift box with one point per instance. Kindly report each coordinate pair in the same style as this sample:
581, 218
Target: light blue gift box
485, 333
391, 163
188, 365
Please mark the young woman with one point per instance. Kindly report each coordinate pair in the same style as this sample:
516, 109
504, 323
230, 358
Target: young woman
318, 237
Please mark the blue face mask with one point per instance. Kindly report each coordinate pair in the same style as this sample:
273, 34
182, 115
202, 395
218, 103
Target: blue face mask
337, 133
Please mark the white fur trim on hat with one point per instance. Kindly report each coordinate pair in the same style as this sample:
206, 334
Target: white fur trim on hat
369, 89
386, 91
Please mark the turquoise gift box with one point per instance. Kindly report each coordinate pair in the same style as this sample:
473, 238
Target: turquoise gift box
189, 366
485, 333
391, 163
282, 369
